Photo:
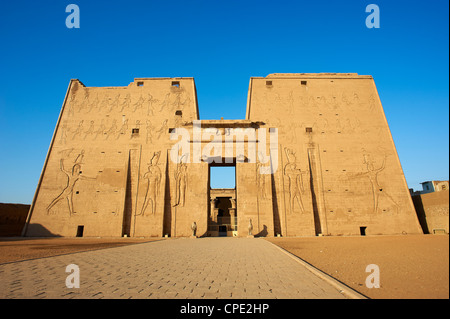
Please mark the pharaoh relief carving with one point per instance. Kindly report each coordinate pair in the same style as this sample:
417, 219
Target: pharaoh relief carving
153, 178
262, 180
295, 178
181, 182
378, 192
73, 175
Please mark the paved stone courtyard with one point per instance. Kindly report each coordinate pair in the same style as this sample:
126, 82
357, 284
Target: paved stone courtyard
209, 268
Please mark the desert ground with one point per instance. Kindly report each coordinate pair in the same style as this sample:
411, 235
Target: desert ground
411, 266
23, 248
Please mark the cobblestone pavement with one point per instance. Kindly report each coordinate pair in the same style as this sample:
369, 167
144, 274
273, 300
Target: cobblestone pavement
209, 268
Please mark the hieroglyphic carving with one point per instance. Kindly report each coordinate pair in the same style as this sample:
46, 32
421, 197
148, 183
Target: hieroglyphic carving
261, 179
90, 130
126, 102
112, 130
85, 101
64, 131
153, 177
139, 103
78, 130
123, 129
180, 183
150, 101
93, 104
162, 129
294, 175
165, 103
100, 130
72, 103
115, 103
148, 130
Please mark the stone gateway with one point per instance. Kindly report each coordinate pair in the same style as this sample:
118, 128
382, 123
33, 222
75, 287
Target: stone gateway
314, 156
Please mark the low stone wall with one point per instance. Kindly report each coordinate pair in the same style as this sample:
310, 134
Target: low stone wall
432, 210
12, 219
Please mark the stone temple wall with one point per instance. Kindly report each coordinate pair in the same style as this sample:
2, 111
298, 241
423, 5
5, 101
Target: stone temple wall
110, 169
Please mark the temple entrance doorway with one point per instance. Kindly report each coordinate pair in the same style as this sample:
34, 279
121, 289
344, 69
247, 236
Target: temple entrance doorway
222, 219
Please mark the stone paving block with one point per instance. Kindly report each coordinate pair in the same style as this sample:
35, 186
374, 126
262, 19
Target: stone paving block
169, 269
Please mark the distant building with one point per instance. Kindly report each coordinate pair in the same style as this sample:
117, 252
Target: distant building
434, 186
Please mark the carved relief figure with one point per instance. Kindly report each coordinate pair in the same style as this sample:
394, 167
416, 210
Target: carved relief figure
149, 128
150, 101
78, 130
112, 129
372, 175
123, 130
162, 129
85, 101
153, 177
72, 102
180, 183
165, 103
100, 130
64, 131
126, 102
294, 175
139, 103
93, 104
114, 103
72, 177
90, 130
261, 178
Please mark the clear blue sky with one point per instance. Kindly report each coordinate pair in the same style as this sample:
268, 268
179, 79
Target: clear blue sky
221, 44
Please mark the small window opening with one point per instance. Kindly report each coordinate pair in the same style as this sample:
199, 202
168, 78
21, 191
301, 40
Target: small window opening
135, 131
269, 83
140, 84
309, 130
304, 82
80, 231
171, 130
179, 113
176, 84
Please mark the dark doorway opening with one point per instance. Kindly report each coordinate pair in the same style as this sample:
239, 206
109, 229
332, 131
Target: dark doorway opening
222, 220
362, 230
80, 231
222, 231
